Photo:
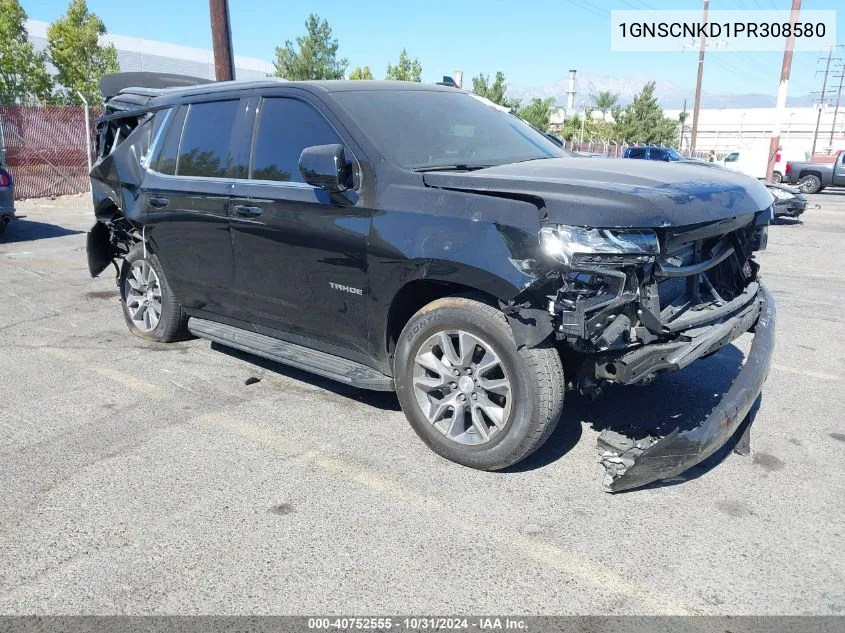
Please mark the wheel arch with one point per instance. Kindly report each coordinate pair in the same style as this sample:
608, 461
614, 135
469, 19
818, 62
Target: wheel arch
415, 294
810, 172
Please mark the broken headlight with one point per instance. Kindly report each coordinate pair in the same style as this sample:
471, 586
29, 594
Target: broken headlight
576, 245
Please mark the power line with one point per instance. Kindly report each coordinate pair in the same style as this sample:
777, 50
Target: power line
841, 76
592, 9
823, 96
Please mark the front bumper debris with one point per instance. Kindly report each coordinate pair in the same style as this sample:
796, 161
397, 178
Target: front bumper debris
635, 463
791, 208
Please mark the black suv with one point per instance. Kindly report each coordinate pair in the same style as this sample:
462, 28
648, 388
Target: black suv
414, 237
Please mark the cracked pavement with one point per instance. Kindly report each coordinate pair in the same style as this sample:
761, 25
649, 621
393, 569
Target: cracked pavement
139, 478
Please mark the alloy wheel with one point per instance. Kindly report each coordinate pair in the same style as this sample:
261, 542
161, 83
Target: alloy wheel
143, 296
462, 387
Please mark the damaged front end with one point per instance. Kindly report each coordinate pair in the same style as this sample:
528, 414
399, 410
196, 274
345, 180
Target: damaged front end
631, 303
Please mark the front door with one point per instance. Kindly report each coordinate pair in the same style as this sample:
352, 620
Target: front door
300, 252
839, 170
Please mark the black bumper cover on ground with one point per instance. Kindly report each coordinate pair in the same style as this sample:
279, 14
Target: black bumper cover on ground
680, 451
790, 208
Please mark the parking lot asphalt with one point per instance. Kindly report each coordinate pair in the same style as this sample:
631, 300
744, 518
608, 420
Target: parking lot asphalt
139, 478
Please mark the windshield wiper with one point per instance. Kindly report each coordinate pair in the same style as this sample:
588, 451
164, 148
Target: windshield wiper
458, 167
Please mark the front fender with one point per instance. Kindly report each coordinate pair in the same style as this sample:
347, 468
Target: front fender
493, 253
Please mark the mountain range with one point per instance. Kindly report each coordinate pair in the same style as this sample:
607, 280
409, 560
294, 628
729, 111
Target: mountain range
670, 95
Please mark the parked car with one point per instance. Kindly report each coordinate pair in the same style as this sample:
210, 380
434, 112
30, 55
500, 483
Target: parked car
7, 199
409, 237
813, 177
789, 201
645, 152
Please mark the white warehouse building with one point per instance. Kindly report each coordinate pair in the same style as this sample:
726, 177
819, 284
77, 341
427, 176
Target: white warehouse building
729, 129
139, 55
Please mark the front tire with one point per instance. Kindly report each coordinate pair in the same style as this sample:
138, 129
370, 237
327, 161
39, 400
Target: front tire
149, 307
466, 389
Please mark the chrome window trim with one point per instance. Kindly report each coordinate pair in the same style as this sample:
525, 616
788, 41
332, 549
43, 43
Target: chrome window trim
276, 183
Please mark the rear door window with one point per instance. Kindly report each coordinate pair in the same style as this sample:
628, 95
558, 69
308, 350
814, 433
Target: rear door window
206, 147
636, 152
286, 127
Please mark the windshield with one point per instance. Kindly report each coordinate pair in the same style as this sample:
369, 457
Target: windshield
673, 154
418, 129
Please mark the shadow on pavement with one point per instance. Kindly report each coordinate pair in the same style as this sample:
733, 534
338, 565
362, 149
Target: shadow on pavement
385, 400
23, 230
680, 400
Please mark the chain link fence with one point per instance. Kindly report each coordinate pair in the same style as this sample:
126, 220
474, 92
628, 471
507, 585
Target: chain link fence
616, 149
45, 149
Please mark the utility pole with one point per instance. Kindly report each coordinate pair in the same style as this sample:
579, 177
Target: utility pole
836, 108
784, 87
697, 106
823, 96
221, 37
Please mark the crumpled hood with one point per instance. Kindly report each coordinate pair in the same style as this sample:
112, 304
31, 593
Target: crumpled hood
613, 192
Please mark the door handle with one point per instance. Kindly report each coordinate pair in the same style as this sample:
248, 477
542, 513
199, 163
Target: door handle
246, 211
158, 203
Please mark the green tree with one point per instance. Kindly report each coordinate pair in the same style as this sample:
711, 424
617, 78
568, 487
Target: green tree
361, 73
315, 55
74, 49
23, 74
406, 70
643, 121
538, 112
494, 91
604, 101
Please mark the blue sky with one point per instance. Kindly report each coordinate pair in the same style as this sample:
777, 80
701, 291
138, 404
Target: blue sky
533, 42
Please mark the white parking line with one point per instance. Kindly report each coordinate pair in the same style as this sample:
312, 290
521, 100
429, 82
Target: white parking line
565, 561
809, 373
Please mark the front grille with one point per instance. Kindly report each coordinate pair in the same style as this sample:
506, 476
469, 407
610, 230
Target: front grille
673, 288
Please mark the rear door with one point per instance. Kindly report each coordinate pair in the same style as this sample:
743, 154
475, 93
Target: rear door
300, 252
186, 197
637, 152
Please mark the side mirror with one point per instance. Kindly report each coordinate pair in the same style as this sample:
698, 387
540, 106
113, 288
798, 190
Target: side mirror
324, 166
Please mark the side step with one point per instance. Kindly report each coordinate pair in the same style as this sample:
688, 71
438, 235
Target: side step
321, 363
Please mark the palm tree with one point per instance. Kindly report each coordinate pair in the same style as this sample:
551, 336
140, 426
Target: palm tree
604, 101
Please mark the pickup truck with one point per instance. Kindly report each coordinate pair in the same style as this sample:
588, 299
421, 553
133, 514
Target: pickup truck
813, 177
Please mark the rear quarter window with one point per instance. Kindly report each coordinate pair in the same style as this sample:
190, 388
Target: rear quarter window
165, 162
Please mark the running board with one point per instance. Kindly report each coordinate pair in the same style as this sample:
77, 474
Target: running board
311, 360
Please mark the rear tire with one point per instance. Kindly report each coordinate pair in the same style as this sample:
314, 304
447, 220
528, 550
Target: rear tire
810, 184
504, 402
777, 177
149, 307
